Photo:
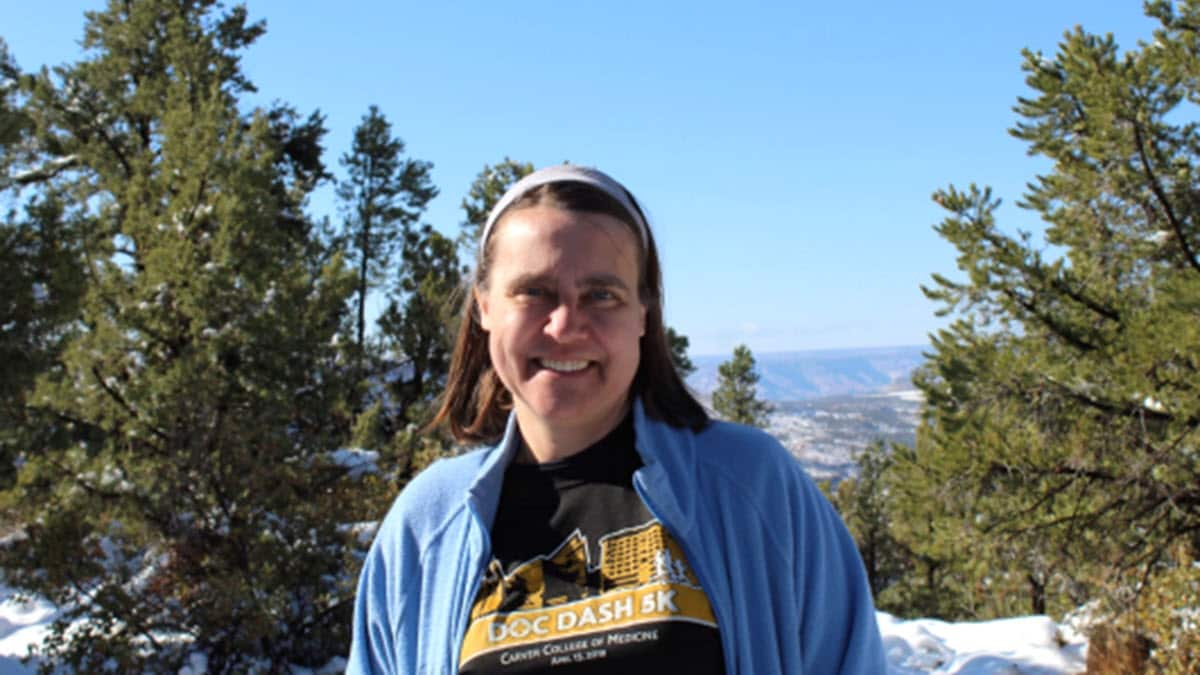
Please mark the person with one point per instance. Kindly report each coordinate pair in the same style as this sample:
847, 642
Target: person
607, 524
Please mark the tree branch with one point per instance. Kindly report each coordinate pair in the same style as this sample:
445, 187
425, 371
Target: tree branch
46, 171
116, 396
1156, 188
1049, 321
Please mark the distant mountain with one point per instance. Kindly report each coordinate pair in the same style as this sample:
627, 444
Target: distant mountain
798, 376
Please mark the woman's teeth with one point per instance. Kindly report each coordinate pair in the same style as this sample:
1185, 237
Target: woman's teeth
564, 366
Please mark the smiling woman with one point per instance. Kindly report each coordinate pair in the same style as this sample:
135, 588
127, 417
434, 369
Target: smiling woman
609, 524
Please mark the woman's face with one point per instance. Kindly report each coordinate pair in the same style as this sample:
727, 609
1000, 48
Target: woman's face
563, 317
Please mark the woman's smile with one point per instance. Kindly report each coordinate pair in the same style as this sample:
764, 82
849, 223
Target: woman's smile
562, 366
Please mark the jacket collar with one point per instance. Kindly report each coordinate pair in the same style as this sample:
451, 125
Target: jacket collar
668, 474
484, 493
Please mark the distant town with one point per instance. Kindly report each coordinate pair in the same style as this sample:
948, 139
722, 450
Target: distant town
829, 405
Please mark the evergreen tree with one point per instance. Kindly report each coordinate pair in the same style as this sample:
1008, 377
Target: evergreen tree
488, 187
935, 583
1063, 404
418, 322
865, 504
679, 353
40, 281
383, 196
13, 124
736, 396
183, 499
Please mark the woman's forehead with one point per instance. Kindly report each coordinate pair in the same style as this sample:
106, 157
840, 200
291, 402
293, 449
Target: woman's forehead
551, 243
548, 231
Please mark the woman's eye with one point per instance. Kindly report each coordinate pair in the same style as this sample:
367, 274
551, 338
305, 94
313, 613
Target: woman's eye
533, 293
601, 295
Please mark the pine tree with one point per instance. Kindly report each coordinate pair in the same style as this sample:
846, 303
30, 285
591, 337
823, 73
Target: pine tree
928, 518
679, 353
184, 500
40, 281
383, 196
488, 187
1063, 404
13, 124
736, 396
865, 503
418, 321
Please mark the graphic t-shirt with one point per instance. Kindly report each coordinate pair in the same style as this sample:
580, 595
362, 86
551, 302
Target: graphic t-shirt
584, 579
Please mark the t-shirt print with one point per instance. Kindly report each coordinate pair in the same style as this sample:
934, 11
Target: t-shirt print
636, 602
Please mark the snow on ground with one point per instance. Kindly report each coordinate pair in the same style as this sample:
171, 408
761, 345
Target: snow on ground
22, 624
1030, 645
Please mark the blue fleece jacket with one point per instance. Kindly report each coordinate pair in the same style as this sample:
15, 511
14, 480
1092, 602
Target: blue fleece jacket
781, 572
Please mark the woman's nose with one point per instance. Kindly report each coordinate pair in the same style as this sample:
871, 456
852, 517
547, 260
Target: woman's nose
565, 322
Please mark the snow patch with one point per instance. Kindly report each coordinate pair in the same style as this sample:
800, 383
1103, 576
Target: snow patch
1029, 645
24, 623
356, 461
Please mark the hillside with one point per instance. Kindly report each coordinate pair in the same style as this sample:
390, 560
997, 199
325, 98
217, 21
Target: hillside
796, 376
828, 405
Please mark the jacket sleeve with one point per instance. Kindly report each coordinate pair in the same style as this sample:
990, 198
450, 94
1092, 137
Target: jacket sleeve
379, 637
372, 648
839, 631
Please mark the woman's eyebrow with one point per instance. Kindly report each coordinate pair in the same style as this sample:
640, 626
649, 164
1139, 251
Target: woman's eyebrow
530, 279
590, 281
610, 280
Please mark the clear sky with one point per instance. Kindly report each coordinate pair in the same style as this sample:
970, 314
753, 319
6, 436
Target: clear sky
785, 151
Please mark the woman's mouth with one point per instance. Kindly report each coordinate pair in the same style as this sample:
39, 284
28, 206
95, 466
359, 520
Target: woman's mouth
562, 366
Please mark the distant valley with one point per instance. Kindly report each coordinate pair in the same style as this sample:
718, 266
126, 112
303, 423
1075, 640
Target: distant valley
828, 405
796, 376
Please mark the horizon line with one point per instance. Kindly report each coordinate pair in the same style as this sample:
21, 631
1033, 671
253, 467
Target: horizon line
817, 350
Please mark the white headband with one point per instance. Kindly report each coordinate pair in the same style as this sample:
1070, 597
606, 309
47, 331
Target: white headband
561, 173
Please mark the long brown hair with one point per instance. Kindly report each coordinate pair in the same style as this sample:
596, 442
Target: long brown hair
475, 404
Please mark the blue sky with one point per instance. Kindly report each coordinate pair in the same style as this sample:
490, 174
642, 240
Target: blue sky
785, 151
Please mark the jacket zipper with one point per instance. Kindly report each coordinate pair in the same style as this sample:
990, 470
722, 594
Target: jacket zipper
698, 566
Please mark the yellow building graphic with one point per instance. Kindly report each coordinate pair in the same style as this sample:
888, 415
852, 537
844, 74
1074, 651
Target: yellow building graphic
630, 558
642, 555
